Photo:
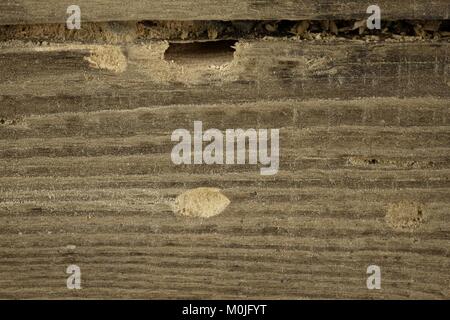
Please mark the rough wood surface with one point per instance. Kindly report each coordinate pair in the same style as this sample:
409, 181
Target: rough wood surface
86, 176
103, 181
62, 78
54, 11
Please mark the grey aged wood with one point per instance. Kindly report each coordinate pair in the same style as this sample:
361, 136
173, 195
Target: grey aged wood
86, 176
103, 181
60, 78
54, 11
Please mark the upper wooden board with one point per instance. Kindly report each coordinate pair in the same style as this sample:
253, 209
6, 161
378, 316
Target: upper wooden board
54, 11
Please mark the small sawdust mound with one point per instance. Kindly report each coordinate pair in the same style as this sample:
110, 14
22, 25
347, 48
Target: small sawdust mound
200, 203
404, 216
109, 58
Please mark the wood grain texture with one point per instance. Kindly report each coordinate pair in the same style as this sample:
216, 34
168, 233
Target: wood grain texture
86, 176
103, 181
60, 78
54, 11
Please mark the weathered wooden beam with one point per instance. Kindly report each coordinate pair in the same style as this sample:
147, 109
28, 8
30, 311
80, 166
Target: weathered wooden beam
57, 78
95, 189
54, 11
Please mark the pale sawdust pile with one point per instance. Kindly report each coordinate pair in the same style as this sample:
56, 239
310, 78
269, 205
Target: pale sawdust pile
109, 58
405, 216
200, 203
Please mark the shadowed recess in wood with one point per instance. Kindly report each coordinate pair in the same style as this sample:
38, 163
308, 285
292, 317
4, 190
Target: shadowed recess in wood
201, 53
117, 32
